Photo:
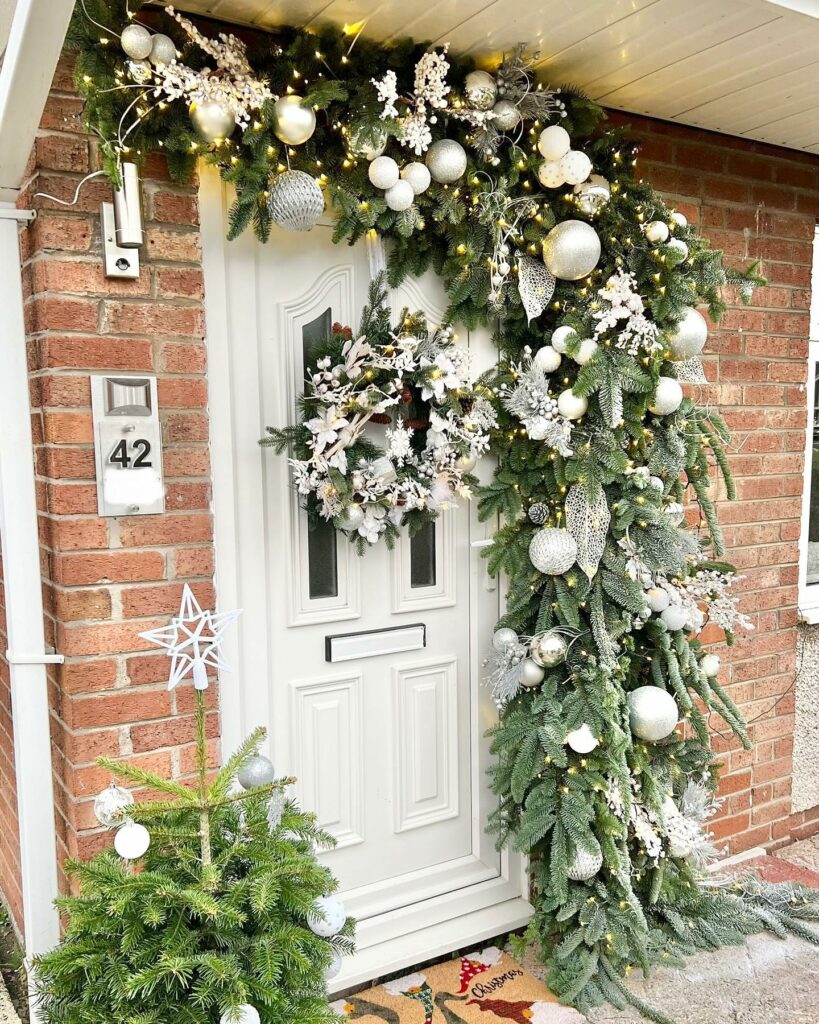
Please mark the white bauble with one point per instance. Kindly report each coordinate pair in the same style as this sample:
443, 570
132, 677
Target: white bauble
656, 231
667, 397
417, 174
657, 599
679, 246
327, 916
653, 713
480, 89
465, 463
383, 172
110, 804
585, 352
503, 638
295, 201
446, 160
554, 142
690, 335
136, 41
505, 115
258, 771
553, 551
575, 166
680, 220
244, 1014
561, 336
570, 405
292, 122
674, 617
352, 518
163, 49
333, 969
211, 119
531, 674
399, 196
550, 649
547, 359
366, 150
550, 174
584, 865
132, 840
571, 250
384, 469
582, 740
710, 664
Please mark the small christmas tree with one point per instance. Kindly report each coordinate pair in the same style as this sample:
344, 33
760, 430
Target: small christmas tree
227, 917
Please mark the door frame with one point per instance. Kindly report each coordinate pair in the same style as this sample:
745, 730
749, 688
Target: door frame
432, 926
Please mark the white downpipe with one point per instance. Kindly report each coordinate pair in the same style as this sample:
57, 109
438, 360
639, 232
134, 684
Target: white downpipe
24, 605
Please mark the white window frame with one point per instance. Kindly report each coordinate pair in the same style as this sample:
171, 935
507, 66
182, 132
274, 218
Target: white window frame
809, 593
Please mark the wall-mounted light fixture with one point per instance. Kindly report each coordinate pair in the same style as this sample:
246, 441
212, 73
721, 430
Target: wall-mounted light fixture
122, 226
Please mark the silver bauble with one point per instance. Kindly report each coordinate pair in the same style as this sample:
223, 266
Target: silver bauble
674, 617
243, 1014
417, 174
539, 512
553, 551
110, 805
480, 89
163, 49
367, 150
446, 160
679, 219
554, 142
333, 969
582, 740
561, 336
292, 122
139, 71
550, 649
690, 335
531, 674
584, 865
678, 246
653, 713
295, 201
465, 463
212, 120
258, 771
667, 398
546, 359
656, 231
136, 41
592, 195
506, 115
327, 916
383, 172
710, 664
503, 638
352, 519
571, 250
399, 196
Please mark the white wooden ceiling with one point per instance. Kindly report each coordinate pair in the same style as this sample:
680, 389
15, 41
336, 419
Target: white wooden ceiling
743, 67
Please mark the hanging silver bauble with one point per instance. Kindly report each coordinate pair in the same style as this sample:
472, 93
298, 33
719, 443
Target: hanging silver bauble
383, 172
550, 649
417, 174
367, 150
553, 551
292, 122
690, 335
258, 771
584, 865
295, 202
399, 196
504, 638
678, 219
212, 120
656, 231
163, 49
710, 664
139, 71
653, 713
667, 398
136, 41
352, 519
333, 969
592, 195
571, 250
465, 463
327, 916
480, 89
531, 674
582, 740
505, 115
446, 160
539, 512
110, 805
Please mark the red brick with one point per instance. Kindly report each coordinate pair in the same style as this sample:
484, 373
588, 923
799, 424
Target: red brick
60, 313
88, 676
175, 283
175, 246
152, 318
103, 638
95, 353
163, 530
173, 732
162, 599
117, 708
76, 534
183, 357
193, 562
108, 567
172, 208
182, 393
76, 605
66, 232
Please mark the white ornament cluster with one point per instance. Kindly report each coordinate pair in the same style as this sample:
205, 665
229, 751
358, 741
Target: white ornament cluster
520, 663
561, 165
531, 400
622, 319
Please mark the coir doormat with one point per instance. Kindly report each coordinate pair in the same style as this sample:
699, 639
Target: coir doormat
485, 987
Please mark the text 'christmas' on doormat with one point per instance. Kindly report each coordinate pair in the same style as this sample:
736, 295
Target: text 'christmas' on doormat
485, 987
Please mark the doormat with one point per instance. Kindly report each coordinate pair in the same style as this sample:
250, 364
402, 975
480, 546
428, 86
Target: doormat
485, 987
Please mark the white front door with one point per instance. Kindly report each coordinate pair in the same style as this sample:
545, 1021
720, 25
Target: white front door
365, 670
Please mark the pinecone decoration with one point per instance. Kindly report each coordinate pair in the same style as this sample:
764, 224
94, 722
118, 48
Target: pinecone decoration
539, 513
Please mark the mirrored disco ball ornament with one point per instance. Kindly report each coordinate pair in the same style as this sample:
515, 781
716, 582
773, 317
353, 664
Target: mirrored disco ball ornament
136, 41
132, 840
163, 49
295, 202
211, 120
110, 804
293, 123
553, 551
243, 1014
571, 250
480, 89
689, 336
506, 115
582, 740
504, 638
258, 771
539, 513
667, 398
592, 195
550, 649
333, 969
584, 865
653, 713
327, 916
446, 160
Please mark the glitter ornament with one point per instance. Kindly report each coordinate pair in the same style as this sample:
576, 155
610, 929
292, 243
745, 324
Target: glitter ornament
653, 713
570, 405
531, 673
584, 354
163, 49
383, 172
295, 201
550, 649
243, 1014
575, 167
211, 119
710, 665
571, 250
550, 174
110, 804
582, 740
667, 398
552, 551
480, 89
504, 638
554, 142
584, 865
689, 336
327, 916
679, 219
547, 359
656, 231
505, 116
400, 196
446, 160
293, 123
561, 336
366, 150
678, 245
132, 840
657, 599
674, 617
136, 41
417, 174
539, 513
333, 969
258, 771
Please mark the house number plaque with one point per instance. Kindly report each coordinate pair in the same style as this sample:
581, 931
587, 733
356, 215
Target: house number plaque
128, 445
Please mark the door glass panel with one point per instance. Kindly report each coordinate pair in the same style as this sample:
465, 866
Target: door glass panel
322, 550
422, 557
813, 513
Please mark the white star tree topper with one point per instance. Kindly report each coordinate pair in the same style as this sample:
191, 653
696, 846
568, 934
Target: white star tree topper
193, 640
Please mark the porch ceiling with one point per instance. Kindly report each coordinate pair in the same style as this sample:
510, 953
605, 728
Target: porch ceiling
743, 67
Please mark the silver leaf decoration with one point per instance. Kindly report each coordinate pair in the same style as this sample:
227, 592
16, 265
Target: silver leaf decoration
589, 525
690, 371
536, 286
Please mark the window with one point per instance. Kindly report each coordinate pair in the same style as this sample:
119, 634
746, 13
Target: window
809, 546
